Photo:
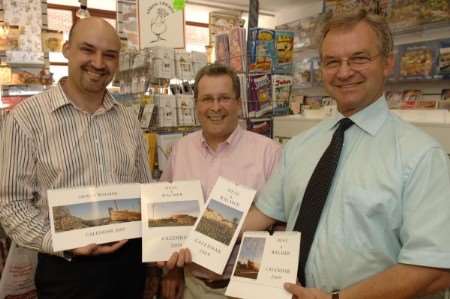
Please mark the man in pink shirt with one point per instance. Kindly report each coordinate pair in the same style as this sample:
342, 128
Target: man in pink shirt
220, 148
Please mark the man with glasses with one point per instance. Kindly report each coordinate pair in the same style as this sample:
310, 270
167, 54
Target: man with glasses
220, 148
380, 231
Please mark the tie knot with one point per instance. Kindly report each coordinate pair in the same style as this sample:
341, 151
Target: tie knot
345, 123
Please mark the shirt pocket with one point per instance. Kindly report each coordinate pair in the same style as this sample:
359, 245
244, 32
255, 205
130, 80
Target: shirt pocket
371, 219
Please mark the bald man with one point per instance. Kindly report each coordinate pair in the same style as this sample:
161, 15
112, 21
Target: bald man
74, 134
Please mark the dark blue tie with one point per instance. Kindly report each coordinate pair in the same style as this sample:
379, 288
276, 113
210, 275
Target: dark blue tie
316, 194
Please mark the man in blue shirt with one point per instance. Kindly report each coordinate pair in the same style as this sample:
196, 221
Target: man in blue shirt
382, 231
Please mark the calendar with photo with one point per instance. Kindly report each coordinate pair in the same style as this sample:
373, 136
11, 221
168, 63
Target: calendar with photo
264, 263
217, 228
169, 211
94, 215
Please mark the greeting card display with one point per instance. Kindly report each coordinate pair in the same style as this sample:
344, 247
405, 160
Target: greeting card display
169, 210
216, 230
281, 92
264, 264
86, 215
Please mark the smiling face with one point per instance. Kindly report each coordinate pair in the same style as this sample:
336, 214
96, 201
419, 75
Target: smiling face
352, 89
217, 108
93, 55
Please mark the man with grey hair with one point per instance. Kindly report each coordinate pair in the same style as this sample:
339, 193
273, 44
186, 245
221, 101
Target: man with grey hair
368, 192
379, 232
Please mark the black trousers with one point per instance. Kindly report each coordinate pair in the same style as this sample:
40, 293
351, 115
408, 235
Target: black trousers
120, 275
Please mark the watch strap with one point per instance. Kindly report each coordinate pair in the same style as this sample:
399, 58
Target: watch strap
335, 295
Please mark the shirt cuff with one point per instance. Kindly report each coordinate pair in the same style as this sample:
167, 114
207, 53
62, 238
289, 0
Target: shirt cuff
47, 245
433, 259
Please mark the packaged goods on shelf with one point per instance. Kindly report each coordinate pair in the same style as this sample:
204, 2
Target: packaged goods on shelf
199, 60
347, 6
244, 97
302, 70
167, 110
444, 59
260, 97
444, 102
262, 52
410, 98
185, 110
238, 49
222, 48
183, 65
418, 60
284, 45
5, 74
281, 91
163, 63
394, 99
261, 126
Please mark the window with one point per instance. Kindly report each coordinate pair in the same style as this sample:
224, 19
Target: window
197, 36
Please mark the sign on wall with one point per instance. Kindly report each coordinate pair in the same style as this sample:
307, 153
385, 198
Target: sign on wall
160, 24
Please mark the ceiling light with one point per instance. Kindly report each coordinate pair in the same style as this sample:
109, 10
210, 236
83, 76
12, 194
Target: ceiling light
82, 12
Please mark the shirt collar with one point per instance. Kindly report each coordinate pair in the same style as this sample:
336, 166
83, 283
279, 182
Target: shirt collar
370, 119
60, 99
231, 140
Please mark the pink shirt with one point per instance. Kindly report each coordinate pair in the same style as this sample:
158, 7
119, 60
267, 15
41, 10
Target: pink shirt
245, 158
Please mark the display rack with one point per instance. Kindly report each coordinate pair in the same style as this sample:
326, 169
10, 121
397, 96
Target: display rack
428, 36
23, 54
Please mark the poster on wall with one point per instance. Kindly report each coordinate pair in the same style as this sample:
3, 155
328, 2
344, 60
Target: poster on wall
160, 24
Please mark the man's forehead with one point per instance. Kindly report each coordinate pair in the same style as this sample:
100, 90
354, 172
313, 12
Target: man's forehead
223, 77
90, 31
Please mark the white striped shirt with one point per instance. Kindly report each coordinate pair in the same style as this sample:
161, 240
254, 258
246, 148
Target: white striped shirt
46, 143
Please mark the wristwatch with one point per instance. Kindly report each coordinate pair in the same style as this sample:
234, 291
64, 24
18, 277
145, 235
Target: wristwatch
68, 255
335, 295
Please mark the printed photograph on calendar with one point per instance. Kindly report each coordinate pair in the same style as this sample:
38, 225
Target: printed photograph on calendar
249, 260
173, 213
219, 222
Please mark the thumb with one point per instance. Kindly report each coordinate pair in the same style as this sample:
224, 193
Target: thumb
289, 287
295, 289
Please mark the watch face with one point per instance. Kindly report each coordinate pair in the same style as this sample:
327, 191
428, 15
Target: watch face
68, 255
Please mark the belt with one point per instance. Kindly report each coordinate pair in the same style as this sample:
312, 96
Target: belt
214, 284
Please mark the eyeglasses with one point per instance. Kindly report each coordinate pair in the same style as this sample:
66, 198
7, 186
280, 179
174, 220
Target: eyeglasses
355, 62
209, 100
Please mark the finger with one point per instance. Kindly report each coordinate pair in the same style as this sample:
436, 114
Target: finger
85, 250
188, 258
172, 261
293, 289
164, 288
171, 287
180, 290
184, 257
181, 255
106, 249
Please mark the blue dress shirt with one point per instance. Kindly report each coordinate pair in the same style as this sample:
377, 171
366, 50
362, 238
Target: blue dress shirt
389, 202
